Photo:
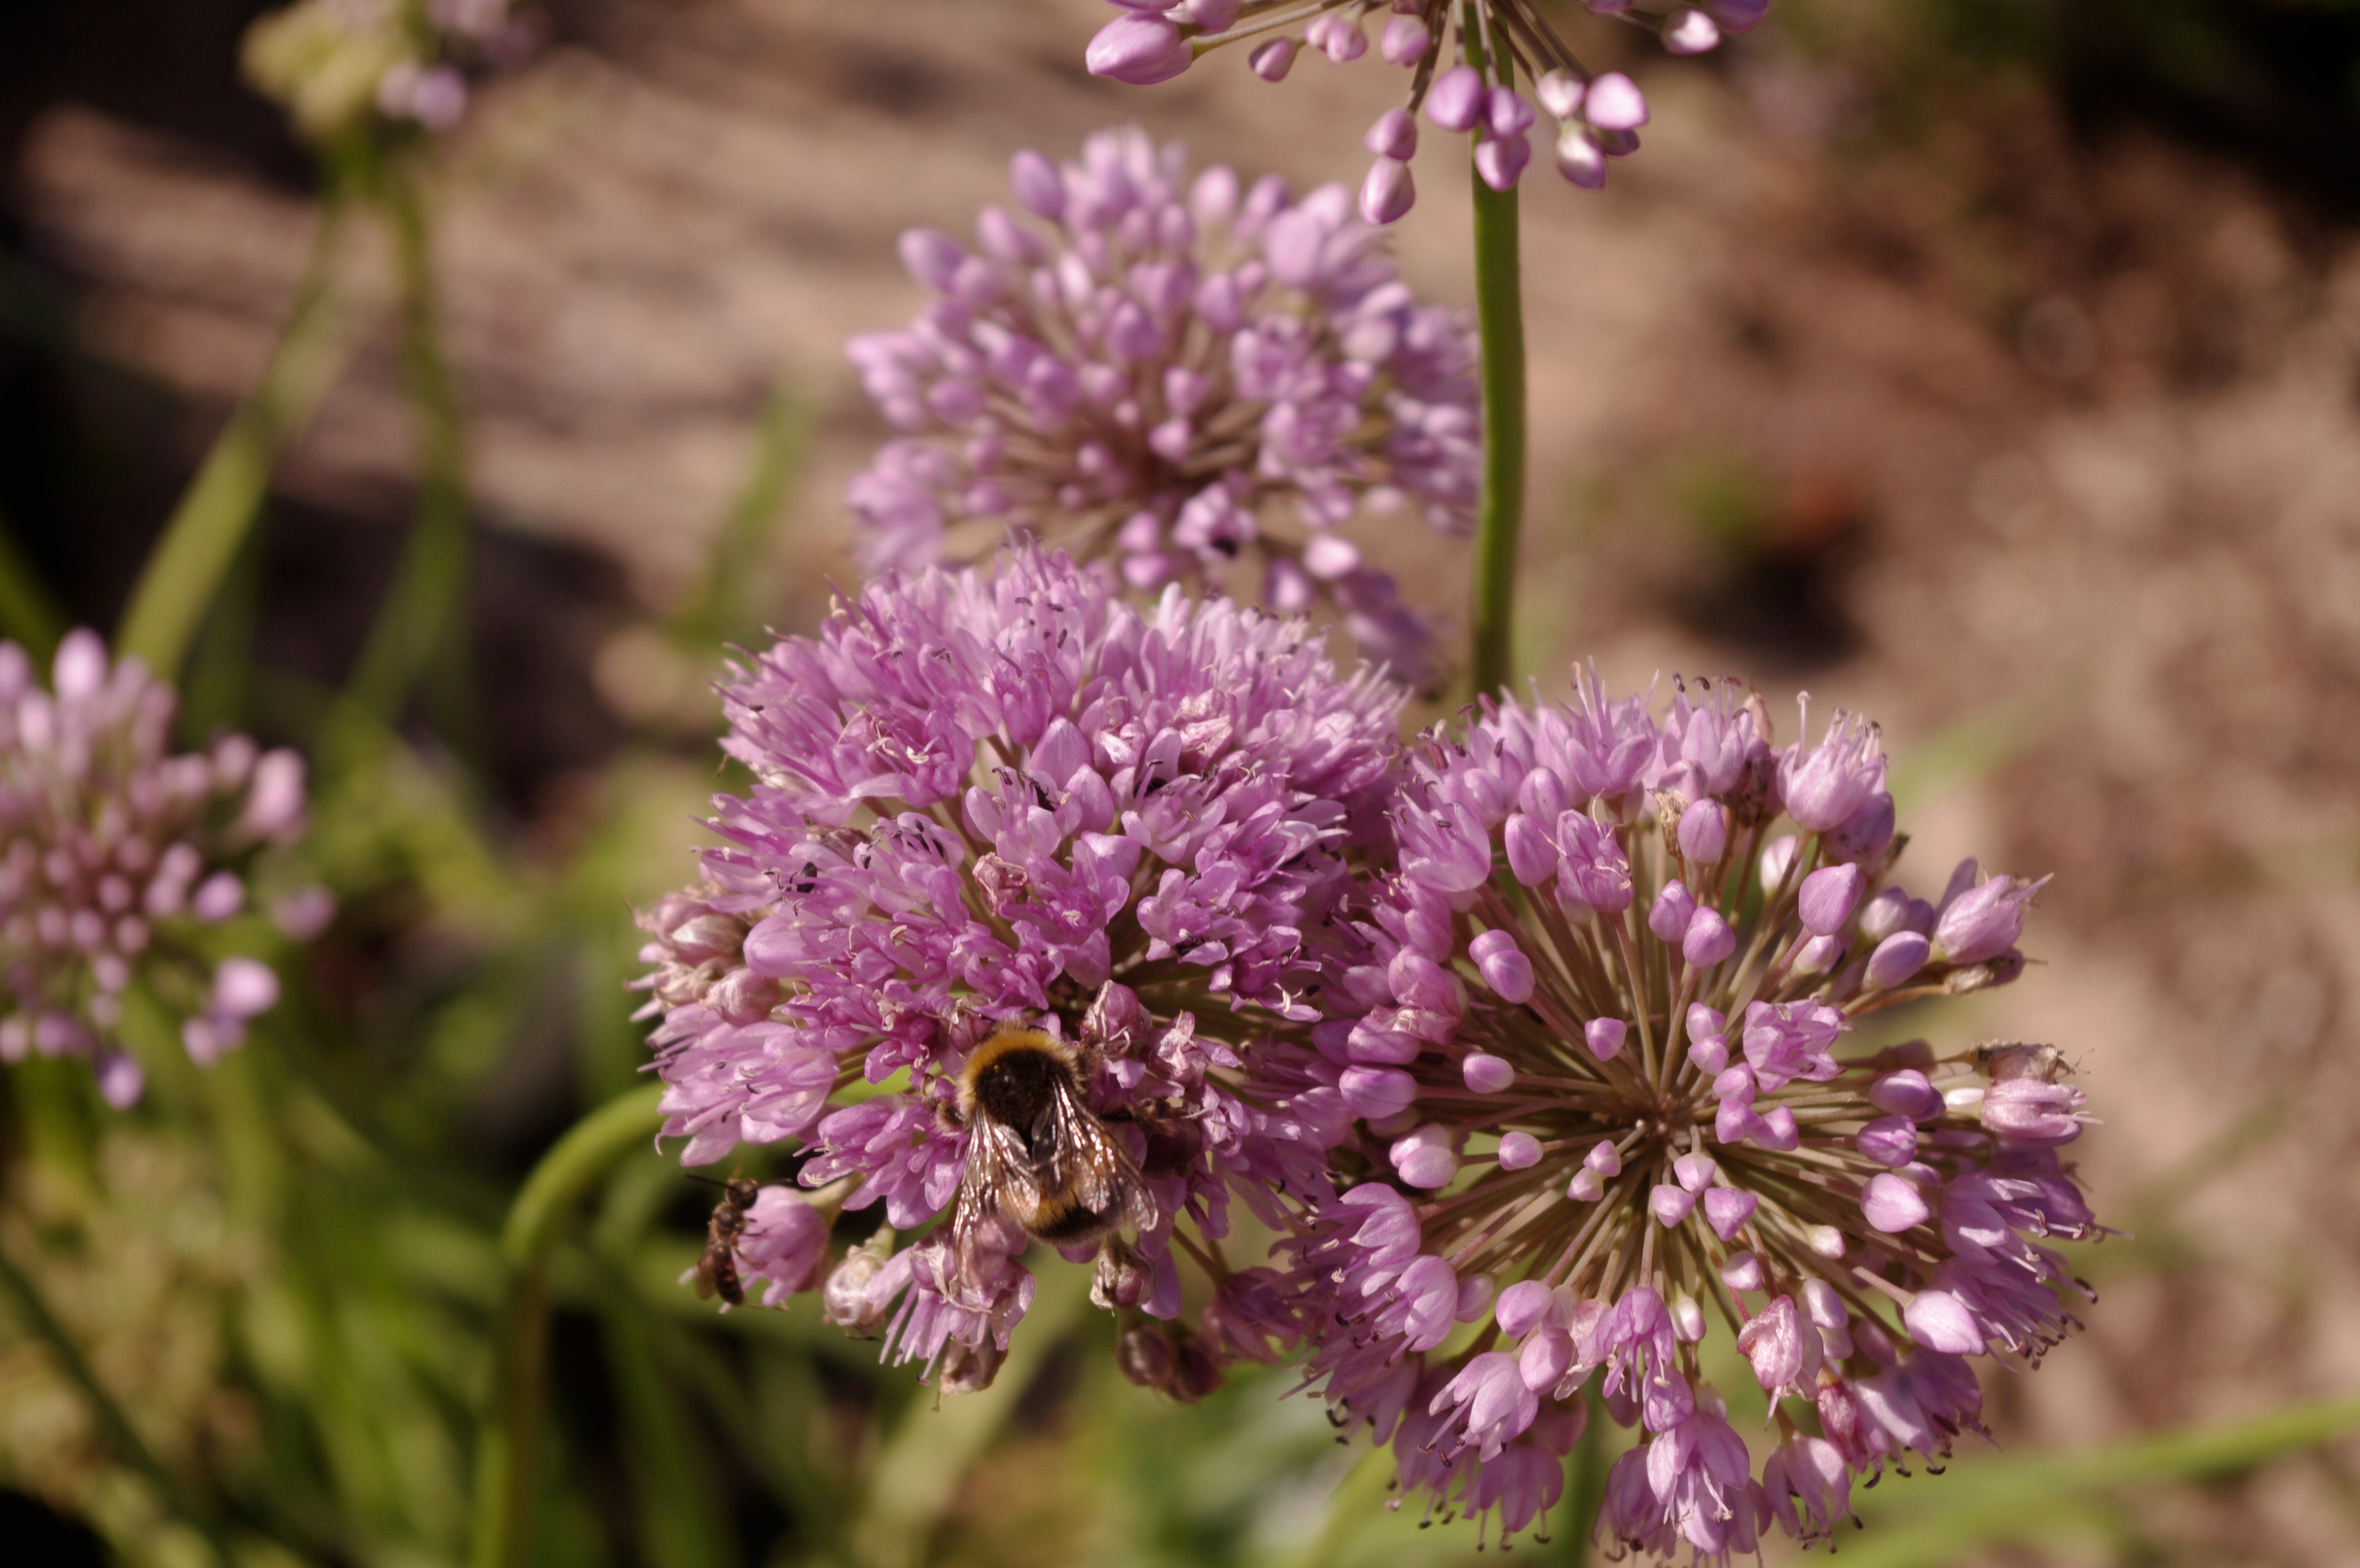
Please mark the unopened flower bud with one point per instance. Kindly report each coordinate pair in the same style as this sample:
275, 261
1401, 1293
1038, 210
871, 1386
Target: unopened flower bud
1689, 31
1502, 966
1141, 51
1827, 897
1709, 940
1486, 1074
1896, 958
1456, 100
1704, 831
1273, 60
1673, 909
1121, 1277
1604, 1037
1615, 103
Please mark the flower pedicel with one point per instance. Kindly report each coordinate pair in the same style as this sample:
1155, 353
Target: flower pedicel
1456, 52
1597, 1061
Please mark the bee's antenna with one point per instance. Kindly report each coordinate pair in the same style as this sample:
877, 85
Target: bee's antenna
708, 1180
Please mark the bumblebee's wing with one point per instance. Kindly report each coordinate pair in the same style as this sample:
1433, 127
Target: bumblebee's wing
1090, 1163
1001, 1173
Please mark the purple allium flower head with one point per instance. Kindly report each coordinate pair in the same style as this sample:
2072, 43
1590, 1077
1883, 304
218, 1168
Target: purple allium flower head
1186, 380
1728, 1147
1012, 799
115, 854
1597, 116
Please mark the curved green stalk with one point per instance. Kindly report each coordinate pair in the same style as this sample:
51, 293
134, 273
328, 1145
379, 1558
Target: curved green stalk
428, 585
507, 1449
201, 538
1499, 517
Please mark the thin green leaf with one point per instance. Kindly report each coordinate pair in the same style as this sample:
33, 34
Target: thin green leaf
2015, 1498
177, 586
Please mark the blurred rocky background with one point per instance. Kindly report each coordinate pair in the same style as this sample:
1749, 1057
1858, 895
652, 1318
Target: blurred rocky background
1992, 365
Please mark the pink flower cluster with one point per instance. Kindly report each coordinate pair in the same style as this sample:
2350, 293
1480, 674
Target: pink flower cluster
115, 854
1017, 799
1192, 379
1534, 1047
1595, 1056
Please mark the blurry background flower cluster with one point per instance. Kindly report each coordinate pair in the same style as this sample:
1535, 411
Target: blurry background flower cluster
1989, 366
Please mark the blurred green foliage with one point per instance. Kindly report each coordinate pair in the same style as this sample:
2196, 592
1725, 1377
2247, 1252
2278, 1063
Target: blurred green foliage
261, 1319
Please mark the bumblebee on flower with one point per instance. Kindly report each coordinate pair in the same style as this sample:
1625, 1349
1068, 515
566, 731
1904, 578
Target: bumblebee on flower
1030, 869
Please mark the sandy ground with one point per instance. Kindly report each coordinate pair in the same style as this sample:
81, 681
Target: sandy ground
2047, 453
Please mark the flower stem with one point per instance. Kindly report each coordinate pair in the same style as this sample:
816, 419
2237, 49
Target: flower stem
201, 538
507, 1468
429, 586
1500, 320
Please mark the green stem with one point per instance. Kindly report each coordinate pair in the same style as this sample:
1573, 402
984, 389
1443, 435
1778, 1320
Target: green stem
1500, 319
112, 1424
507, 1449
185, 569
427, 585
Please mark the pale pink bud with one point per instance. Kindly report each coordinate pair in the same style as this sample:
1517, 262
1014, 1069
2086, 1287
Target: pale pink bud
1603, 1158
1141, 51
1892, 1204
1694, 1171
1605, 1036
1394, 136
1273, 60
244, 988
1486, 1074
1456, 100
1377, 1092
1560, 92
1704, 831
1519, 1151
1689, 31
1889, 1141
1709, 940
1906, 1094
1670, 1204
1520, 1306
1424, 1157
1388, 193
1502, 966
1939, 1321
219, 896
1896, 958
1405, 41
1727, 1209
1579, 159
1827, 897
1674, 907
1615, 103
1502, 159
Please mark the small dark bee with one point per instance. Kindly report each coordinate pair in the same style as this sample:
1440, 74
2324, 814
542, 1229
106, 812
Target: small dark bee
1035, 1151
717, 1271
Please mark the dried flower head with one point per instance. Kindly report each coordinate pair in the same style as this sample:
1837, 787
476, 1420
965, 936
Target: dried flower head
343, 65
1011, 799
1193, 381
1597, 1056
1458, 54
113, 854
